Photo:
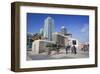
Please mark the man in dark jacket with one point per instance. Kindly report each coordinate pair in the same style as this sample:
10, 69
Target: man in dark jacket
67, 48
74, 49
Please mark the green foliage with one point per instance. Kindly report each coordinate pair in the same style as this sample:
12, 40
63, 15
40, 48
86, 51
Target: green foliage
53, 46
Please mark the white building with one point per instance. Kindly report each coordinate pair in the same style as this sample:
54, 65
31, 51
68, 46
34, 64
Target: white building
48, 28
75, 40
39, 46
64, 40
60, 39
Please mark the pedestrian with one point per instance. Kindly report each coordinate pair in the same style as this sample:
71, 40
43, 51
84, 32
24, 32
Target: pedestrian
67, 48
74, 49
49, 51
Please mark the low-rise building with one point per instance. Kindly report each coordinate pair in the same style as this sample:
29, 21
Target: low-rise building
60, 39
39, 46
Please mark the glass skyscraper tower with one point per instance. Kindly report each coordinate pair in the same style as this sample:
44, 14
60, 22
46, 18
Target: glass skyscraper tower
48, 28
63, 30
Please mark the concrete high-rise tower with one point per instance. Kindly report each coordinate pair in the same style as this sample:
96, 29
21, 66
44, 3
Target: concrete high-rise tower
41, 31
48, 28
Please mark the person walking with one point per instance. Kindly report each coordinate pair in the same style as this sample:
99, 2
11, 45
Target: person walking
67, 48
73, 49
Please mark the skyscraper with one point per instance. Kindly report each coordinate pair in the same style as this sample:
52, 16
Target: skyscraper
48, 28
63, 30
41, 31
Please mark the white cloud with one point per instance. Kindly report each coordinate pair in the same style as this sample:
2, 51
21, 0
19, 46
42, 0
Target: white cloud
85, 28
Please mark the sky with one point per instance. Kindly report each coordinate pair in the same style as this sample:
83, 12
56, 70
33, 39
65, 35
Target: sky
77, 25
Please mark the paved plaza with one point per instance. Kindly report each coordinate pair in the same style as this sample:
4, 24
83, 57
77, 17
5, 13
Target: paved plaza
54, 55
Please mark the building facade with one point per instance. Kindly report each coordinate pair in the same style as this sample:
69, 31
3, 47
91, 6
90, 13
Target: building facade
48, 28
63, 30
41, 31
60, 39
39, 46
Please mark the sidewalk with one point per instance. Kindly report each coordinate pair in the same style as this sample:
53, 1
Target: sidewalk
61, 55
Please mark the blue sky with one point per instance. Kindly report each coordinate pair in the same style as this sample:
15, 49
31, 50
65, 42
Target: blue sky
77, 25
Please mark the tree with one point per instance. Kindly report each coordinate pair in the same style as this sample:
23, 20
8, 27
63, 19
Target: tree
50, 48
53, 47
